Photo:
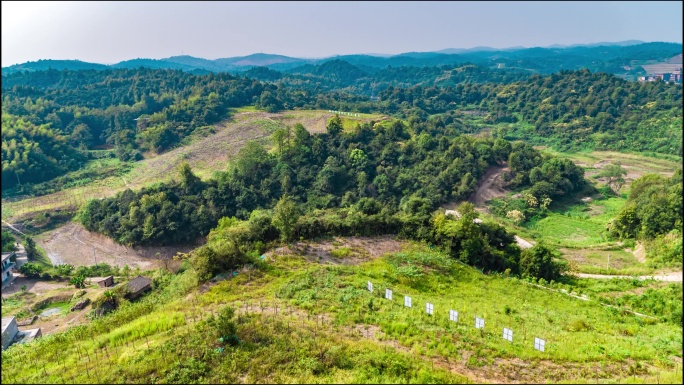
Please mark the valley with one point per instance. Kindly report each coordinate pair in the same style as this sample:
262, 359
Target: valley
480, 215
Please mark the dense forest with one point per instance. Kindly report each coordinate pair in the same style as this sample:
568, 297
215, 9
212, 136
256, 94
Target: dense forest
339, 75
141, 110
569, 110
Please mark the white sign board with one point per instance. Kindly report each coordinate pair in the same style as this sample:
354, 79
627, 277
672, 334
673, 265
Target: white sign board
388, 294
407, 301
453, 315
429, 308
508, 334
479, 323
539, 344
370, 286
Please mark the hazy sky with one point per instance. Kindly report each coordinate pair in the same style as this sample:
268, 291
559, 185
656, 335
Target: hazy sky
109, 32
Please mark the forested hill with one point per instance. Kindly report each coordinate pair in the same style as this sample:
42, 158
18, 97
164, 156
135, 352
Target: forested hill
85, 109
339, 75
572, 110
623, 60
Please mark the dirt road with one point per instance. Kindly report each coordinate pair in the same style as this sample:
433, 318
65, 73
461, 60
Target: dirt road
666, 277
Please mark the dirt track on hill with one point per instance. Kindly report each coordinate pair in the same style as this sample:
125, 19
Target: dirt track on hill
675, 276
490, 186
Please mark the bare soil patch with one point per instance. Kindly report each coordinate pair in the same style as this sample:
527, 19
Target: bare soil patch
490, 186
640, 252
73, 244
313, 122
342, 250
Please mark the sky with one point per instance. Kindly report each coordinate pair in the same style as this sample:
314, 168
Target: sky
109, 32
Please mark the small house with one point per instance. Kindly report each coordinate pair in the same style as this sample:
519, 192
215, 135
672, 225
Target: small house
9, 330
106, 282
7, 266
11, 334
137, 286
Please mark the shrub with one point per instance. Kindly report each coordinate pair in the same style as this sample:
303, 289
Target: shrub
78, 281
31, 270
341, 252
578, 325
225, 325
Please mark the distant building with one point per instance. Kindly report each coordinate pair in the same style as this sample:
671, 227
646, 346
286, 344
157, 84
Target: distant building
7, 266
11, 333
106, 282
673, 76
137, 286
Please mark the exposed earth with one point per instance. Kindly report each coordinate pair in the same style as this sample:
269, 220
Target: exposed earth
73, 244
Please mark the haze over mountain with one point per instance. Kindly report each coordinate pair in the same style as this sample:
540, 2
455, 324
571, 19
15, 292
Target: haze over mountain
609, 57
619, 54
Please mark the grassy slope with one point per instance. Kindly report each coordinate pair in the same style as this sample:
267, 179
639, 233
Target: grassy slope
329, 328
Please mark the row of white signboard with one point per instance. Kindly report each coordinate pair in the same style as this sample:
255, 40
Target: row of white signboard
344, 113
539, 344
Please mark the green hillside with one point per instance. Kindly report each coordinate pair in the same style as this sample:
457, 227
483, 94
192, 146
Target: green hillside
297, 321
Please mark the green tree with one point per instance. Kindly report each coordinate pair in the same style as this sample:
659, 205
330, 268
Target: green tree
538, 262
30, 247
189, 181
334, 126
279, 138
31, 270
285, 217
8, 241
614, 174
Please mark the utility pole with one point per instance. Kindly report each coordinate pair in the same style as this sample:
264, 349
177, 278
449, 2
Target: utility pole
95, 258
608, 261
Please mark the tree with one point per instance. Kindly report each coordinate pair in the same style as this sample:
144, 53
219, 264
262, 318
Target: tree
516, 216
30, 247
285, 217
538, 262
225, 325
278, 139
334, 126
8, 241
614, 173
189, 181
31, 270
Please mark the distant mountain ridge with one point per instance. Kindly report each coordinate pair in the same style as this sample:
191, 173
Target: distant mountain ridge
615, 56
